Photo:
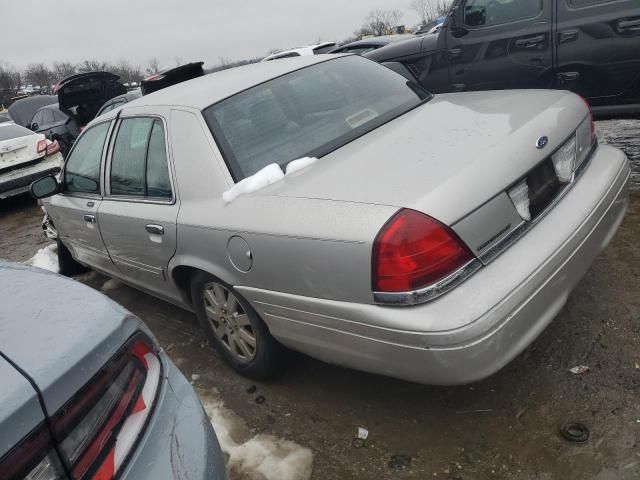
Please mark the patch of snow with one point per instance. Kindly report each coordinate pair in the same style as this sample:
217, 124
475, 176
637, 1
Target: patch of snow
261, 457
268, 175
110, 284
296, 165
46, 258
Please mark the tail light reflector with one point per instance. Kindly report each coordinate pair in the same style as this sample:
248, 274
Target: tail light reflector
42, 146
98, 427
413, 251
53, 147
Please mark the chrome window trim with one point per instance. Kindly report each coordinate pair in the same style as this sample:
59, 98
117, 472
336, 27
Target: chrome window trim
107, 171
435, 290
429, 292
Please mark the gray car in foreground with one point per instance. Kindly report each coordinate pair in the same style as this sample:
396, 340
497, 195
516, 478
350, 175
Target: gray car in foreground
86, 393
430, 238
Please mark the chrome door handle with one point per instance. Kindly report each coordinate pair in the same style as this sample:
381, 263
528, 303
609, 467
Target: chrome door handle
90, 218
155, 229
629, 25
530, 42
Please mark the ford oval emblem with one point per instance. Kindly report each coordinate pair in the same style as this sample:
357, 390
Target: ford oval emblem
542, 142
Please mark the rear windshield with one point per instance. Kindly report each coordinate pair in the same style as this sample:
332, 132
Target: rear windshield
10, 131
308, 113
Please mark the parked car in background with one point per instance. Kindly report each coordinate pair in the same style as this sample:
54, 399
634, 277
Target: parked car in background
25, 156
118, 101
361, 47
100, 399
22, 110
587, 46
458, 250
56, 125
171, 76
318, 49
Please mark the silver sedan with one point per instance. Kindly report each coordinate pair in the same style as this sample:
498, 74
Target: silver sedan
330, 205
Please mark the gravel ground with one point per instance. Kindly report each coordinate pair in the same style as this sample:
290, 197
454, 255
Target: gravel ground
506, 427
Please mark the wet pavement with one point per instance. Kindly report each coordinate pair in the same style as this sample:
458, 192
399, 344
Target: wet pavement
506, 427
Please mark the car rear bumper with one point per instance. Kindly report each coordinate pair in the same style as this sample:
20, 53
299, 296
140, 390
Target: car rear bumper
477, 328
19, 180
179, 441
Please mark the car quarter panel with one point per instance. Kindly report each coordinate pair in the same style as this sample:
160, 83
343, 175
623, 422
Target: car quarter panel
508, 302
79, 335
20, 410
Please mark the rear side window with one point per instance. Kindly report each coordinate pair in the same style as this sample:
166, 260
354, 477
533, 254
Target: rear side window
48, 117
485, 13
37, 118
139, 161
82, 171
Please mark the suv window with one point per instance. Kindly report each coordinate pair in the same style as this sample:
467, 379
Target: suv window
139, 161
82, 171
485, 13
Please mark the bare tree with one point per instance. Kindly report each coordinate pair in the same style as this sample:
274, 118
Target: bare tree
63, 70
38, 74
9, 78
91, 65
429, 10
153, 66
381, 22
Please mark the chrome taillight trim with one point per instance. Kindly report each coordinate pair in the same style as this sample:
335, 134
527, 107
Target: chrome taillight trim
429, 292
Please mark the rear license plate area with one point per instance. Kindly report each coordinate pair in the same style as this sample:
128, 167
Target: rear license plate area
544, 187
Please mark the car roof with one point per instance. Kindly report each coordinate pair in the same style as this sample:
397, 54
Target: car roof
382, 40
204, 91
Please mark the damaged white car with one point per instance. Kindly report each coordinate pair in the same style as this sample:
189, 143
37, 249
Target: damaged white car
429, 238
25, 156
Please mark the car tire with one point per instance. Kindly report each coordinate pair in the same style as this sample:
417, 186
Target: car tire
66, 264
236, 331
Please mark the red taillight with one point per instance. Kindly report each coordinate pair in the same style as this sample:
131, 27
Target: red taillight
593, 123
413, 251
34, 457
154, 78
42, 146
53, 147
96, 430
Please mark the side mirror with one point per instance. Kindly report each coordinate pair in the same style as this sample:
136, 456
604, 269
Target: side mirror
34, 127
44, 187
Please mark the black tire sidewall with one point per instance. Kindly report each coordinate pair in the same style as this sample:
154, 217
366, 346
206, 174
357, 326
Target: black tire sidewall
66, 264
265, 362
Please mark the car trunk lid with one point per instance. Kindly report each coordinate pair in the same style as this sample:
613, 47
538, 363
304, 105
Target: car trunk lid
59, 344
18, 151
81, 96
445, 158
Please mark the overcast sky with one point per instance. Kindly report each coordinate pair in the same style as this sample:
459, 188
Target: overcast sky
136, 30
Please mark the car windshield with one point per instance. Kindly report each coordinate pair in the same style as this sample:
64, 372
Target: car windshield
308, 113
9, 131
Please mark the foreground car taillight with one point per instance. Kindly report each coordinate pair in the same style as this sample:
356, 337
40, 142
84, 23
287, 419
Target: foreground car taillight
34, 458
98, 427
413, 251
591, 120
53, 147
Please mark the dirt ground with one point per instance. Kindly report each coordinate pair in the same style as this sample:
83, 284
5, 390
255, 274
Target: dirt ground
506, 427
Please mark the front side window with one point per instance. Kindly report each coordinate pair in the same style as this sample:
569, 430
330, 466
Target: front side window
139, 160
82, 170
485, 13
38, 118
308, 113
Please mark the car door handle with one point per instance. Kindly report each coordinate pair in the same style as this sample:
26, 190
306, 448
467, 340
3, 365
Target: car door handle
90, 218
567, 36
530, 42
155, 229
568, 77
629, 25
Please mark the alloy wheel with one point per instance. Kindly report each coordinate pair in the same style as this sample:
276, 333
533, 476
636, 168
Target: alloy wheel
229, 321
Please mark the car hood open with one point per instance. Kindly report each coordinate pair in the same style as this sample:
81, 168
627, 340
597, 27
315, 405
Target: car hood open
22, 111
446, 157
